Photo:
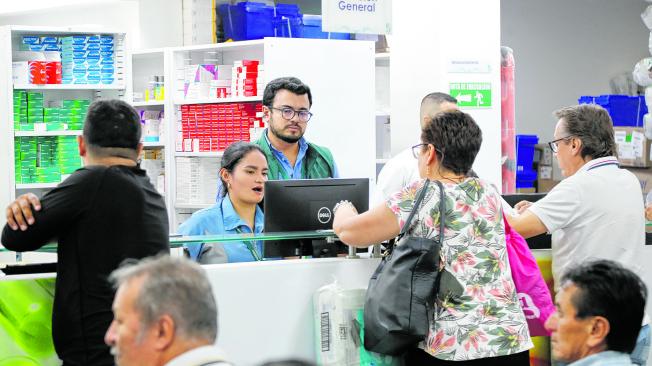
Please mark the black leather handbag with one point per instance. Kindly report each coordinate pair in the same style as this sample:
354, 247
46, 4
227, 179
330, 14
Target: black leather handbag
402, 290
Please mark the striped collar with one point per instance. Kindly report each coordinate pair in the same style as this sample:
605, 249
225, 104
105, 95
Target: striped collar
599, 163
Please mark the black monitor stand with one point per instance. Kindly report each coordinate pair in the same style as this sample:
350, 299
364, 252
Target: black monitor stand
316, 248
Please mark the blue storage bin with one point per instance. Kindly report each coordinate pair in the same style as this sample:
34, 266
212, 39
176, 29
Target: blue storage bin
288, 20
247, 20
525, 154
525, 179
312, 29
624, 110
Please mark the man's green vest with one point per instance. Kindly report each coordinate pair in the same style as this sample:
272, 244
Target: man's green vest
318, 162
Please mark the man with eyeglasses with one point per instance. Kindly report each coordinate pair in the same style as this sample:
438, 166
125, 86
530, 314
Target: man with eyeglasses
286, 109
597, 210
403, 168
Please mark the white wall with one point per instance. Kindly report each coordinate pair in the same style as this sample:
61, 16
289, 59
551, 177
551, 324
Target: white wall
564, 49
423, 42
148, 23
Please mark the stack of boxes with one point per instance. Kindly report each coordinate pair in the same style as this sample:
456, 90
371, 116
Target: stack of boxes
196, 180
212, 127
20, 109
31, 115
45, 159
87, 59
548, 174
247, 78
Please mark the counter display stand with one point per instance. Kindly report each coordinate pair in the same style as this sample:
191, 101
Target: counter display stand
265, 308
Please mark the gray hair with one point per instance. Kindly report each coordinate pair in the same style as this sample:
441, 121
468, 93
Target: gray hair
177, 287
593, 126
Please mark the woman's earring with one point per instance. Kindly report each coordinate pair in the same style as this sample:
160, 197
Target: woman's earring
229, 185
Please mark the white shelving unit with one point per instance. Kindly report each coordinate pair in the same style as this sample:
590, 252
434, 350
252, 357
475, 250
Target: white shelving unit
10, 40
180, 101
47, 133
144, 64
343, 102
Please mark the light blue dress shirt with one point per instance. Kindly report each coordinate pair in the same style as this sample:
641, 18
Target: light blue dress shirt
606, 358
222, 219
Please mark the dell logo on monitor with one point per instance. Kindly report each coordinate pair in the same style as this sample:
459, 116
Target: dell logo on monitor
324, 215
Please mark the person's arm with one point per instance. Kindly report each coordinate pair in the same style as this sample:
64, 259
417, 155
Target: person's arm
527, 224
59, 208
365, 229
556, 210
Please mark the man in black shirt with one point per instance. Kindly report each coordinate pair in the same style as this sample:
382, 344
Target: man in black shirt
102, 214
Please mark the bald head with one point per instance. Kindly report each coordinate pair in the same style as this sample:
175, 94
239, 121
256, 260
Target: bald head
434, 103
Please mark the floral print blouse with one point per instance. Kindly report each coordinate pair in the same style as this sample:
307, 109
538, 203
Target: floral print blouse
486, 319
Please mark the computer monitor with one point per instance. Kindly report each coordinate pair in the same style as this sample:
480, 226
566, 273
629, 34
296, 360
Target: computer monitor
305, 205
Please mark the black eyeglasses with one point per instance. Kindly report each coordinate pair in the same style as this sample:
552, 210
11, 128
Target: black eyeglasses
289, 113
415, 150
553, 144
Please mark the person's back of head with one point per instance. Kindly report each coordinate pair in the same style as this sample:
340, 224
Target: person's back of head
434, 103
457, 139
112, 129
592, 125
174, 307
607, 289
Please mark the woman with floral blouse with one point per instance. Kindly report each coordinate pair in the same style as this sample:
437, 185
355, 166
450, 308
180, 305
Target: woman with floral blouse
484, 323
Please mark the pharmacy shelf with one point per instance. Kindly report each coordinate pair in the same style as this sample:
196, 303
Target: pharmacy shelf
193, 206
69, 86
36, 185
151, 144
207, 154
151, 103
47, 133
226, 46
382, 56
218, 100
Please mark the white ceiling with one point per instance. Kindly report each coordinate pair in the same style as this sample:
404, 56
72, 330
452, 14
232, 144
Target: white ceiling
10, 7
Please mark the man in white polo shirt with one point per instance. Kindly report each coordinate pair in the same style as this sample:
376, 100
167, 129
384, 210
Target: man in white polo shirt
402, 169
597, 210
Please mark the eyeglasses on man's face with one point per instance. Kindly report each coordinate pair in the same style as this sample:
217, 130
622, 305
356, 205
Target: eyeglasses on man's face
289, 113
554, 144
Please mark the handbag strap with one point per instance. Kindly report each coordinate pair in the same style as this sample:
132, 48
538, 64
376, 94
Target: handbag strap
442, 212
415, 208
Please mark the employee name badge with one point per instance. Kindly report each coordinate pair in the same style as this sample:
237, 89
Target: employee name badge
357, 16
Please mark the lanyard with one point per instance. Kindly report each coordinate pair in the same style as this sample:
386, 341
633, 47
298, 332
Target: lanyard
250, 246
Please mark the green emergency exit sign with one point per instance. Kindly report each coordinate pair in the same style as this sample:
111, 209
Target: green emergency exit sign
471, 94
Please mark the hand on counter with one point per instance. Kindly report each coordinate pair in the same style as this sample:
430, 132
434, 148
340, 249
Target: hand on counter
522, 206
19, 213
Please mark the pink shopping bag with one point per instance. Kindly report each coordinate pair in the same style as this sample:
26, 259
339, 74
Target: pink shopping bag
532, 290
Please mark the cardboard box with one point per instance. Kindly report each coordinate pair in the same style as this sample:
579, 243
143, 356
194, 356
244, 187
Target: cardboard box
633, 147
546, 185
544, 172
644, 176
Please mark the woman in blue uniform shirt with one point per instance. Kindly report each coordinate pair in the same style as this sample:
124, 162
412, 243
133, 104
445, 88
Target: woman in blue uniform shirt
243, 173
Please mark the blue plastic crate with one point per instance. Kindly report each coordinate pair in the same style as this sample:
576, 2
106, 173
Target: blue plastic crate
525, 179
312, 29
525, 153
625, 110
247, 20
288, 20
